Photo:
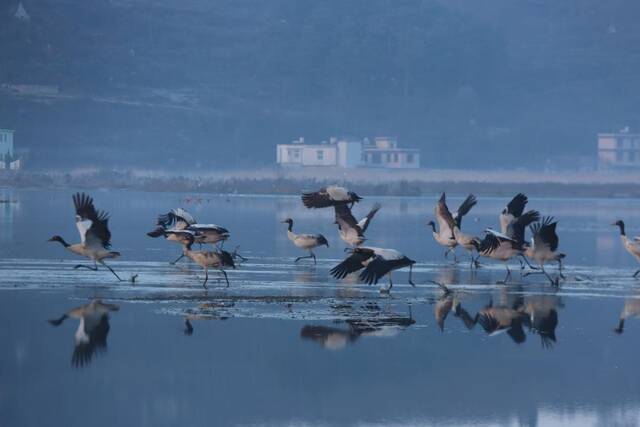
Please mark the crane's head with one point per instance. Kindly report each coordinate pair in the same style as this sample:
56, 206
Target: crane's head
287, 221
620, 223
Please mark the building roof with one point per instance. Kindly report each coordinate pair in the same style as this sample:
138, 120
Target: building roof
7, 130
415, 150
619, 134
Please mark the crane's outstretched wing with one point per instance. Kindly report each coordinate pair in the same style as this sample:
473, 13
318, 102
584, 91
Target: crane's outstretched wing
464, 209
352, 263
92, 225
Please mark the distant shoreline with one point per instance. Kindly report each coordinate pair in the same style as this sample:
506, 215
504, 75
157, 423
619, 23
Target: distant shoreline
365, 181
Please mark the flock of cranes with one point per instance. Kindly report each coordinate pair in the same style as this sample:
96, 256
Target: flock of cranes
370, 262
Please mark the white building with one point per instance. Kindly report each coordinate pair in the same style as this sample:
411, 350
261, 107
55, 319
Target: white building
348, 153
619, 150
385, 153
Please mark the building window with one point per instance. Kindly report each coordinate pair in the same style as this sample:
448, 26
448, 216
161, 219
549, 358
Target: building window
320, 154
409, 158
376, 158
632, 156
388, 157
619, 156
293, 153
395, 157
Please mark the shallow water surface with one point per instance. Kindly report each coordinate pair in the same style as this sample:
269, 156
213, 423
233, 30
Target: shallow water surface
286, 344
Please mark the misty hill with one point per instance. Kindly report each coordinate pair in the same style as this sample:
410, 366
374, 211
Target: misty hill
181, 83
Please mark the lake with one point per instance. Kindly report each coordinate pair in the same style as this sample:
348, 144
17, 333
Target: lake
286, 344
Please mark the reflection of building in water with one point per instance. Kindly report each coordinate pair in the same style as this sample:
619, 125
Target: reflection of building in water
8, 207
8, 158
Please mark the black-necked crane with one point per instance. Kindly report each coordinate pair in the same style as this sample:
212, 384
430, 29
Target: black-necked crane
95, 237
91, 335
176, 219
499, 247
174, 235
331, 195
447, 222
350, 230
218, 259
179, 219
305, 241
633, 247
512, 211
544, 246
376, 262
503, 246
631, 309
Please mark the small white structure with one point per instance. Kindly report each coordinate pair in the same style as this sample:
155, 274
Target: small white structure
334, 153
21, 13
619, 150
348, 153
385, 153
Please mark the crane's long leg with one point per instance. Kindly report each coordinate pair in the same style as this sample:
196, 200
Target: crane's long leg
94, 268
206, 278
553, 282
111, 270
225, 277
560, 268
527, 262
411, 276
177, 259
636, 274
314, 258
304, 257
506, 278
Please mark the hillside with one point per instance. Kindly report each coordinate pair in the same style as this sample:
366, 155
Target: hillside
202, 84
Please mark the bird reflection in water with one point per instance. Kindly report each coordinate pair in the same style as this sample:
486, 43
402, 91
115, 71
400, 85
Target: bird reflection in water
379, 325
91, 335
538, 313
631, 309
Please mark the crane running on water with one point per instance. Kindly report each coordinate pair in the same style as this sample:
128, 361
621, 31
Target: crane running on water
633, 247
447, 222
544, 245
305, 241
218, 259
350, 230
376, 262
95, 237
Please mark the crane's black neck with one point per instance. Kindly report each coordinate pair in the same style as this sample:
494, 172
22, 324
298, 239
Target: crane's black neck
61, 241
290, 227
621, 225
433, 227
